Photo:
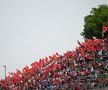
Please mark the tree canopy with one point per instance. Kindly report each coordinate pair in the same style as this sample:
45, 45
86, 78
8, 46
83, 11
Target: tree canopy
93, 22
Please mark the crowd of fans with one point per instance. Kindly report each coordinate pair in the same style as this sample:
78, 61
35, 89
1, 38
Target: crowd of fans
82, 69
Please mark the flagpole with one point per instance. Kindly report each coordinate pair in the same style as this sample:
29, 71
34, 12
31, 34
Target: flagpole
4, 70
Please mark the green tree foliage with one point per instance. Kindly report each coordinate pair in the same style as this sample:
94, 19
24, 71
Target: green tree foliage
93, 23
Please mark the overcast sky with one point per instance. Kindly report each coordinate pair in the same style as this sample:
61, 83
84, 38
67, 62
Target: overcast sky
33, 29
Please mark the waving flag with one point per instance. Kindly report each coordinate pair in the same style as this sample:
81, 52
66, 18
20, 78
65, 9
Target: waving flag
80, 44
104, 29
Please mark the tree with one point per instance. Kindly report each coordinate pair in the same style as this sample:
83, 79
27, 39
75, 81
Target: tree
93, 23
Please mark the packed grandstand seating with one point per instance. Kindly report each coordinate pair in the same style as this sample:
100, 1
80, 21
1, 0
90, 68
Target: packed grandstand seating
84, 68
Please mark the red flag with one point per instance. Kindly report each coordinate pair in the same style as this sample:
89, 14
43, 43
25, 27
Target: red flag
104, 29
18, 71
80, 44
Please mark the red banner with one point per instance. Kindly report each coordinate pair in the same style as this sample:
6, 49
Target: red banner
104, 29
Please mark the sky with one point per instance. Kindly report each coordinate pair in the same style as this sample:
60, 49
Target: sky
34, 29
